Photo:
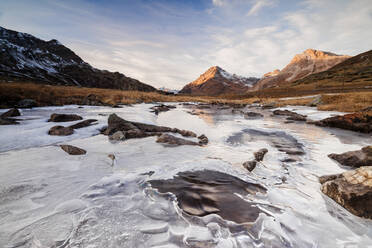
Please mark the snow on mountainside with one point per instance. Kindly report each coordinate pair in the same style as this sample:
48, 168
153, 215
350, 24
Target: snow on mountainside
27, 58
309, 62
216, 81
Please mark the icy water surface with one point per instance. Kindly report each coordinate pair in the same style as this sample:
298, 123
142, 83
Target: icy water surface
51, 199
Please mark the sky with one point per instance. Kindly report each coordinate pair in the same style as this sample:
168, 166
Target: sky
168, 43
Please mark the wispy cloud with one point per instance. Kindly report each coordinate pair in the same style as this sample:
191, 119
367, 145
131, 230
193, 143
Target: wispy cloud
258, 5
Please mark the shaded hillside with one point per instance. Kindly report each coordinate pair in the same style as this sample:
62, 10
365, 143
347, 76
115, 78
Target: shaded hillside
24, 57
216, 81
355, 71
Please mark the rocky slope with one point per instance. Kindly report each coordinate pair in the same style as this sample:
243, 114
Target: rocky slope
24, 57
216, 81
309, 62
355, 70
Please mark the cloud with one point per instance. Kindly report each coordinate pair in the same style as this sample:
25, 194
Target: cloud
258, 6
170, 44
218, 2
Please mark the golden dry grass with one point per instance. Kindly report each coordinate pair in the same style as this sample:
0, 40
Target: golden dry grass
46, 95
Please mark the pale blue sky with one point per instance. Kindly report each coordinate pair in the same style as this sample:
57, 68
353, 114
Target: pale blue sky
170, 43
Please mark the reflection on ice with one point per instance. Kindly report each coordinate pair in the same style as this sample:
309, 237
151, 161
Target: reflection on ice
51, 199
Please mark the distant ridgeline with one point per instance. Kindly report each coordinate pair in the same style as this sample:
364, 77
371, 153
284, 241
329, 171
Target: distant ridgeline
24, 57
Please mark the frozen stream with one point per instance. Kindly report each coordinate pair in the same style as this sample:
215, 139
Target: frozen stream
51, 199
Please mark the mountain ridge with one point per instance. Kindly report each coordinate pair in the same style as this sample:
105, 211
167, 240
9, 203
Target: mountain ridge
301, 65
25, 57
216, 81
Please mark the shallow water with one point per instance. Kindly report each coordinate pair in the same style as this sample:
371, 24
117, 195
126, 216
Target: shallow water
51, 199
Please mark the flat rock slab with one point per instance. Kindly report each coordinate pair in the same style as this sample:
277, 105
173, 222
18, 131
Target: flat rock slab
64, 117
172, 140
359, 122
291, 115
200, 193
357, 158
85, 123
73, 150
60, 131
10, 113
351, 189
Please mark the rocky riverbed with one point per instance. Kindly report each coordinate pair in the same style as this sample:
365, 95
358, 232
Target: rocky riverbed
88, 189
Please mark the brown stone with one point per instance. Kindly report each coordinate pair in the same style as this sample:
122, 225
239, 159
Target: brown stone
73, 150
352, 190
10, 113
358, 158
64, 117
85, 123
60, 131
172, 140
359, 122
291, 115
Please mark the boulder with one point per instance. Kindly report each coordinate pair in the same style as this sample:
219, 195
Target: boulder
60, 131
64, 117
73, 150
26, 103
357, 158
352, 190
359, 122
85, 123
139, 130
291, 115
250, 165
172, 140
10, 113
161, 108
184, 133
260, 154
252, 115
203, 140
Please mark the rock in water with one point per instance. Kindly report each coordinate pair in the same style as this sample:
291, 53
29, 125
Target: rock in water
172, 140
203, 140
358, 158
291, 115
60, 131
64, 117
73, 150
139, 130
352, 190
260, 154
161, 108
252, 115
250, 165
10, 113
359, 122
82, 124
211, 192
